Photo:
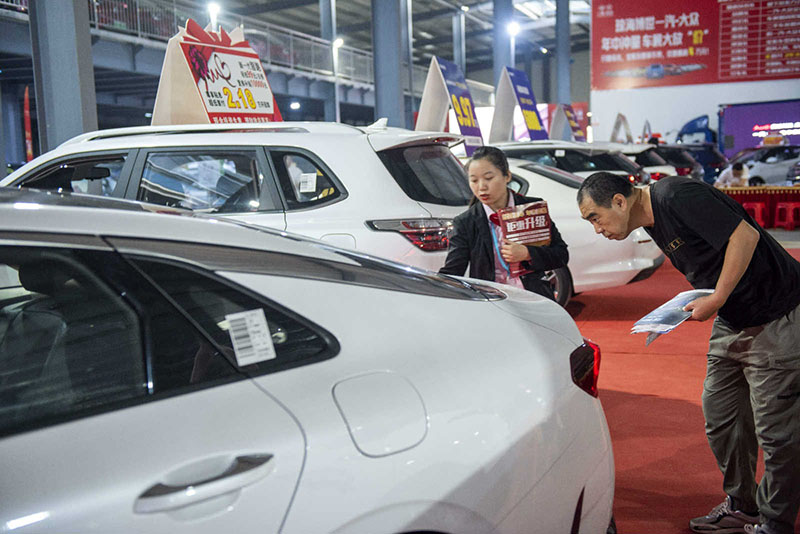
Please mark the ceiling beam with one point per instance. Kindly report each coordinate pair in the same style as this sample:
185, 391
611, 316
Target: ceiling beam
275, 5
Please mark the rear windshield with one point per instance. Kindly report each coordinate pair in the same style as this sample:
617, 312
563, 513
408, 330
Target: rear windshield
707, 155
429, 173
577, 160
677, 157
649, 158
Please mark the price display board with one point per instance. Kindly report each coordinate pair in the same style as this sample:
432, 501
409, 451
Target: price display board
462, 103
681, 42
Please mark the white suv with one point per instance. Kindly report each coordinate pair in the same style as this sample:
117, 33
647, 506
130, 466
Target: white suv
387, 191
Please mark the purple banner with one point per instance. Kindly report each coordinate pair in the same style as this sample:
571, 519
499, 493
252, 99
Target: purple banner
527, 104
577, 131
462, 104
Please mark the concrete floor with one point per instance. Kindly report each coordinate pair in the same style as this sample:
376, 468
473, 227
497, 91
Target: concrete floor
789, 239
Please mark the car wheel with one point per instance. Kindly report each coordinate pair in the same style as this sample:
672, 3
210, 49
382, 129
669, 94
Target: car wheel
756, 180
561, 282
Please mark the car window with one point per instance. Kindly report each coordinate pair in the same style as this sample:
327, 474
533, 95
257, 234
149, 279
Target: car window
543, 158
82, 332
68, 342
428, 174
303, 182
677, 157
570, 180
221, 310
97, 175
210, 182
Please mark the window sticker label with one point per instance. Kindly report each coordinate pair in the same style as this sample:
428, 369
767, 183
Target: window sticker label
560, 153
252, 341
308, 182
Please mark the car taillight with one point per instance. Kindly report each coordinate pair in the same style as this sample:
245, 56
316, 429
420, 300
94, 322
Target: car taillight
585, 364
632, 178
718, 164
658, 175
426, 234
683, 171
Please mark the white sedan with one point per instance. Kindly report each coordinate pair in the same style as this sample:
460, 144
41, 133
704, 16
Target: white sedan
169, 374
594, 262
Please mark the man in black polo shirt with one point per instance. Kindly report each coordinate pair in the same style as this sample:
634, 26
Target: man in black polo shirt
751, 394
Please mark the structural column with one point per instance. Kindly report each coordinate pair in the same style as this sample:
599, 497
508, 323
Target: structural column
459, 42
327, 24
563, 92
406, 36
63, 75
503, 15
386, 61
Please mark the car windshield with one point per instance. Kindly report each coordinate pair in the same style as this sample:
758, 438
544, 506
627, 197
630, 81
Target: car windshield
429, 173
648, 158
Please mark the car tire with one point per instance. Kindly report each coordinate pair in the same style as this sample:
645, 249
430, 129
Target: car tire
756, 180
561, 281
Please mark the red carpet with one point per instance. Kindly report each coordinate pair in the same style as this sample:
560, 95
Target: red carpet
665, 472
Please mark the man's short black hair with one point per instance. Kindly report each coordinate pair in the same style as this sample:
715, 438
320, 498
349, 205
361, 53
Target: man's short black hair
602, 186
738, 166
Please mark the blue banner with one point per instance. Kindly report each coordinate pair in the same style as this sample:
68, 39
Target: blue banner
462, 103
527, 104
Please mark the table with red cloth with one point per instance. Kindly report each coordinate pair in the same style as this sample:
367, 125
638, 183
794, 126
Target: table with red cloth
769, 195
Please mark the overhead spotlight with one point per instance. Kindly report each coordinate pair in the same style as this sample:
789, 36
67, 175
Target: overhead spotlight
513, 28
464, 8
543, 50
213, 11
294, 105
338, 42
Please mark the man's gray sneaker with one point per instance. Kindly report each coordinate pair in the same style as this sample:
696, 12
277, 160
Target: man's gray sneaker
723, 519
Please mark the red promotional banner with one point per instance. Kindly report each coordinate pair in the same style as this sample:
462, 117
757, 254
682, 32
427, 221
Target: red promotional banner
648, 44
26, 117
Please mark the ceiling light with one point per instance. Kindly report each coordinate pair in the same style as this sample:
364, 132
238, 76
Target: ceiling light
543, 50
464, 8
513, 28
338, 42
213, 11
294, 105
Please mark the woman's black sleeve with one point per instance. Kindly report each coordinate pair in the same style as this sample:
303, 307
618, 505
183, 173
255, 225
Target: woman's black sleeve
549, 257
458, 253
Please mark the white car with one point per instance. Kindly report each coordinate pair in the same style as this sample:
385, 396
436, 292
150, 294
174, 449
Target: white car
386, 191
773, 165
643, 154
594, 261
582, 159
169, 374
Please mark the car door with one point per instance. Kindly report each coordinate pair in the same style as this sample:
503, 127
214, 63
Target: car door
117, 412
226, 181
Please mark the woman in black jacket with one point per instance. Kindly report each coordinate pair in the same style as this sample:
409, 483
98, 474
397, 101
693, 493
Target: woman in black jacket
476, 240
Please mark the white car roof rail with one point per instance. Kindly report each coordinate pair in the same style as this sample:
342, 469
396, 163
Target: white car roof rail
265, 127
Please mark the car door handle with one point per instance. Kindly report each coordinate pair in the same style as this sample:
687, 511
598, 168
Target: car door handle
244, 471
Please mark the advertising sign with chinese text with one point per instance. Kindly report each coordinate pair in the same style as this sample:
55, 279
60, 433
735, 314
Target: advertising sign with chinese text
462, 104
527, 103
682, 42
212, 77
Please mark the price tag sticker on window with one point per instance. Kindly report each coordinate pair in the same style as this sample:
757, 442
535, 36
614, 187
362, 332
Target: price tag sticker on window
251, 338
560, 153
308, 182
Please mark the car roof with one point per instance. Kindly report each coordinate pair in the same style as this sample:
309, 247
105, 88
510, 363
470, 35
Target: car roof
28, 210
300, 134
542, 143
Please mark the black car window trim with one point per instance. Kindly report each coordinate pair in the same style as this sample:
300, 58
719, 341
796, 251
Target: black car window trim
268, 187
72, 242
523, 184
129, 154
332, 346
367, 272
544, 170
281, 151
